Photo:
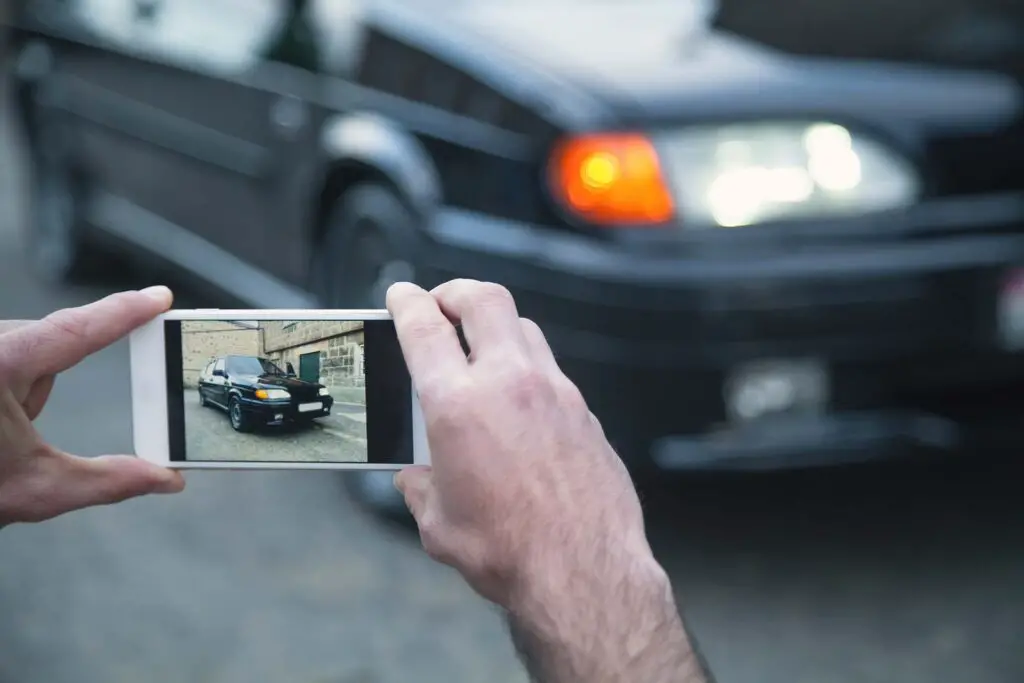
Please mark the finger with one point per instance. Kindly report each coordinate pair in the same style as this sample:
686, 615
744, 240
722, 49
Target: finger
58, 483
429, 342
414, 483
17, 435
11, 325
537, 344
63, 339
37, 396
487, 313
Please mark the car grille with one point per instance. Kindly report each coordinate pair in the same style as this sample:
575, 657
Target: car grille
305, 394
977, 164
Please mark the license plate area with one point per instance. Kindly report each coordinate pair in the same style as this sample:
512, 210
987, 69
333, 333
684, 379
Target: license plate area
767, 388
310, 407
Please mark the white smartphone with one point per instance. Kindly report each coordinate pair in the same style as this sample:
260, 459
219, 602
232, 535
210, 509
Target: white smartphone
274, 389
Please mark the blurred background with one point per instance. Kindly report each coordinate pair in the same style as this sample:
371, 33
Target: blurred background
897, 564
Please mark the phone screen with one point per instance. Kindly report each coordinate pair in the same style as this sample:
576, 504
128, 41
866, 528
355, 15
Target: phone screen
286, 391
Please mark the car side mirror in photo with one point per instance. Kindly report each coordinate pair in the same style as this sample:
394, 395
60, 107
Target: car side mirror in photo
219, 373
291, 370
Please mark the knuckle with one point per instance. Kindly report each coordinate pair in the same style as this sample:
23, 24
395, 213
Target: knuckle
447, 400
70, 321
433, 537
531, 328
527, 383
569, 394
491, 294
423, 327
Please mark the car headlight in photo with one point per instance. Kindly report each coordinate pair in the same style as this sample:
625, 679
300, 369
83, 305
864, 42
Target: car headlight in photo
272, 394
324, 391
743, 174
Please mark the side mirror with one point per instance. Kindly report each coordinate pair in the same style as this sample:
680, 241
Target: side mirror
219, 373
291, 370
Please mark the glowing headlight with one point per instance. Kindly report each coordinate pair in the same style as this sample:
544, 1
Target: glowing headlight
743, 174
272, 394
324, 391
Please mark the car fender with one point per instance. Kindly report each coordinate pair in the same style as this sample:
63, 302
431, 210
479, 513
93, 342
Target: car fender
370, 141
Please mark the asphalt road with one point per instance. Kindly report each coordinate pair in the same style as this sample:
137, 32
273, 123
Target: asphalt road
209, 436
909, 574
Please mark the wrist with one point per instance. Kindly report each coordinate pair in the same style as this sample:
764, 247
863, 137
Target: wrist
556, 585
612, 621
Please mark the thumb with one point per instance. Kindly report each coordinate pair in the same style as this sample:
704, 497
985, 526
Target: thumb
55, 483
85, 482
415, 483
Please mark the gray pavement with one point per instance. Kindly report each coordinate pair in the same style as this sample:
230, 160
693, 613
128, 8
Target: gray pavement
908, 574
209, 436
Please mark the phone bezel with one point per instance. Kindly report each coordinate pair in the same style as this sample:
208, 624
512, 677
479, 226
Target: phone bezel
150, 419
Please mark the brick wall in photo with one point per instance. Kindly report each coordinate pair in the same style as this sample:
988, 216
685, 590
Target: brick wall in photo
338, 343
204, 340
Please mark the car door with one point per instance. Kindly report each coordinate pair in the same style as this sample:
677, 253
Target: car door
220, 383
217, 118
206, 380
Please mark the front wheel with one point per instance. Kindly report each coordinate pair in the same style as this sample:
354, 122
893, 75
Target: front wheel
366, 248
362, 251
240, 422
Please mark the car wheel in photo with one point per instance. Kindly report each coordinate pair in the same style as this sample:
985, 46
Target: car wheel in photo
240, 422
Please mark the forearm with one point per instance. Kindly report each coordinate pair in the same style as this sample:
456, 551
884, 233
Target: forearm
614, 624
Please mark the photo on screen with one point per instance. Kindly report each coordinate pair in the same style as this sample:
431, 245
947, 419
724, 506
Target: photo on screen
287, 391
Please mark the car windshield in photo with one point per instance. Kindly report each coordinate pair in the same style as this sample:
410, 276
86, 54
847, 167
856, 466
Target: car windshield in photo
247, 365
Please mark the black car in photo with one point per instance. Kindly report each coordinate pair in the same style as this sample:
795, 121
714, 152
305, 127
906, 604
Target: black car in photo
745, 257
255, 392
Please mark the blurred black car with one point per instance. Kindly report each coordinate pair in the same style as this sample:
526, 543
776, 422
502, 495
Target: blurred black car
255, 392
745, 258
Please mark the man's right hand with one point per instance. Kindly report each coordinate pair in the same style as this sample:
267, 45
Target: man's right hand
525, 496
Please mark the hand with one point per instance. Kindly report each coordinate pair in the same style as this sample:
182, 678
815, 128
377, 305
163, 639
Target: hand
523, 484
526, 498
38, 481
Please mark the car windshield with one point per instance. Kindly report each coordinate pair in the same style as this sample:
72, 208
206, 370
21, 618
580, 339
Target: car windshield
247, 365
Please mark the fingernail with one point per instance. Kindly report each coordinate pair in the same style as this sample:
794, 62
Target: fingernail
171, 482
397, 482
158, 292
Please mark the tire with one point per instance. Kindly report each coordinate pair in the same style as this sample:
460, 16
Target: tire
60, 249
240, 422
364, 248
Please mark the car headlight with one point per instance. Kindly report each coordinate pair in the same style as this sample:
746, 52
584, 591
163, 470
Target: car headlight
272, 394
742, 174
324, 391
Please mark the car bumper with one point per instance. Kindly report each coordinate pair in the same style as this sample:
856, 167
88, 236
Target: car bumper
282, 412
652, 335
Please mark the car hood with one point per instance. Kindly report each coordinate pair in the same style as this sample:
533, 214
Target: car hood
658, 60
278, 382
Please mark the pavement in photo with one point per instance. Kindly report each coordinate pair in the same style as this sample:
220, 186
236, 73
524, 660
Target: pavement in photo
209, 436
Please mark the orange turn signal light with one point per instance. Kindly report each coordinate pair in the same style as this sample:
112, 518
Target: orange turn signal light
262, 394
612, 179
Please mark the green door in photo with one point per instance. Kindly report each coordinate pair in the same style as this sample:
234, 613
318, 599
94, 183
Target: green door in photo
309, 366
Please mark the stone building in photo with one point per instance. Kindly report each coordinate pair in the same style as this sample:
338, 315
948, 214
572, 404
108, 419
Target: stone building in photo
204, 340
325, 351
